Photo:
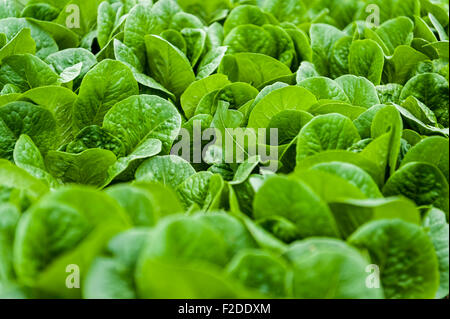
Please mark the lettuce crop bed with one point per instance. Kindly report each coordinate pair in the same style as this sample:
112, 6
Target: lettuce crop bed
107, 191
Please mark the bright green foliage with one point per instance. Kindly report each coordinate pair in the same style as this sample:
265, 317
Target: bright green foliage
128, 138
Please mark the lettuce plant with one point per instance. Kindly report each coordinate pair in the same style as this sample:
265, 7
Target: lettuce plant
112, 187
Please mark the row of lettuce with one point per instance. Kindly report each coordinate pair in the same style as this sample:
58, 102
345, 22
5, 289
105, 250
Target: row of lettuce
96, 203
